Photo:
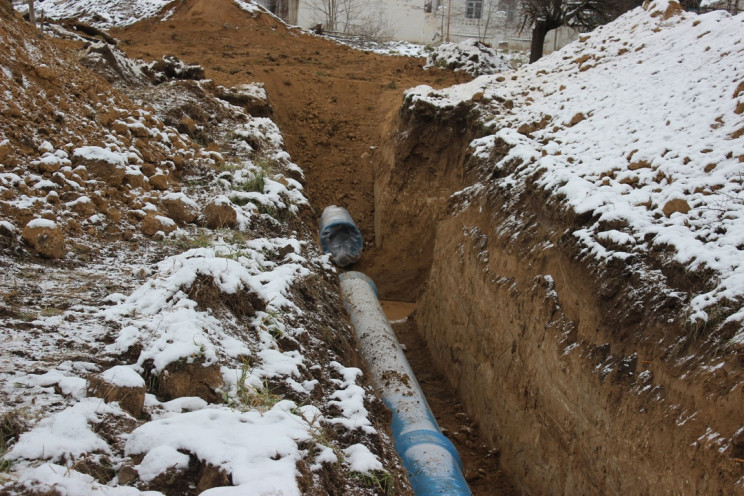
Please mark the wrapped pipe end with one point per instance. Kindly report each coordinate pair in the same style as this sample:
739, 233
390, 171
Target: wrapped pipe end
340, 236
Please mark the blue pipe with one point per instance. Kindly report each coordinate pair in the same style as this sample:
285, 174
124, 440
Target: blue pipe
431, 460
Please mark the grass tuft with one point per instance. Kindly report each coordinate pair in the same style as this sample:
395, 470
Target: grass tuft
381, 480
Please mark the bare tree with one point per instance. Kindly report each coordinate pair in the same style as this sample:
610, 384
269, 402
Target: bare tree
355, 17
327, 12
372, 26
583, 15
492, 17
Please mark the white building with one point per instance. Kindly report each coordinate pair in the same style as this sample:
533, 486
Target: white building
421, 21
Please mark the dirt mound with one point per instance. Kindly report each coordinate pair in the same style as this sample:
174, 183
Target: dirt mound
126, 190
207, 295
329, 100
223, 13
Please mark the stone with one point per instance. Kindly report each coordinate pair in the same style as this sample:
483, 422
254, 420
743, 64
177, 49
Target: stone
181, 378
81, 172
178, 209
45, 72
676, 205
127, 474
139, 130
83, 206
48, 163
4, 150
148, 169
576, 119
137, 180
101, 163
7, 230
186, 126
211, 476
159, 181
45, 238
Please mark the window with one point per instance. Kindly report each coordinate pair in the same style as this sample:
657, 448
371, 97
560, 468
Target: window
509, 6
474, 9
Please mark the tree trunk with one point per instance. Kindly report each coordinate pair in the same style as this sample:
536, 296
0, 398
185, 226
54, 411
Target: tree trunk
31, 13
538, 39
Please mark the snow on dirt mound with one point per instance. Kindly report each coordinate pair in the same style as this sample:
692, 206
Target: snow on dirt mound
639, 128
168, 322
106, 14
471, 56
102, 13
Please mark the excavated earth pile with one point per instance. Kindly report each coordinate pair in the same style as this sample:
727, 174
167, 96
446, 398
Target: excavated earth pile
328, 99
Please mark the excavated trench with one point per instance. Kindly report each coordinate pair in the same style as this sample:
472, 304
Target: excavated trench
494, 304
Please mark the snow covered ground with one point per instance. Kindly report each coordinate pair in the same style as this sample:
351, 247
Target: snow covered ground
212, 317
102, 13
640, 125
473, 57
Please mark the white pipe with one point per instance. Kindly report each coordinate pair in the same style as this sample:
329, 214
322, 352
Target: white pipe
432, 462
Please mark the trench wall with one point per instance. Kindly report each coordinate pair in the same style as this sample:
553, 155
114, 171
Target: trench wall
575, 405
565, 363
418, 166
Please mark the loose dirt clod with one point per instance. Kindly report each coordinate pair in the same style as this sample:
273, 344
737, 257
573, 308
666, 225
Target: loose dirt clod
131, 399
46, 240
180, 379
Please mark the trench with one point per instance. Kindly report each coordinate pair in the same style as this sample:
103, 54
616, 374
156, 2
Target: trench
481, 463
488, 335
400, 267
332, 105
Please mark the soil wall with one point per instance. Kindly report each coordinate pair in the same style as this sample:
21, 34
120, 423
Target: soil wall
568, 365
417, 168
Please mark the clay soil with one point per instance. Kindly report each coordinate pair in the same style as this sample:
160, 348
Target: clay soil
330, 102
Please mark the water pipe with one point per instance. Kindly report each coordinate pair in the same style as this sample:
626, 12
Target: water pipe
432, 461
339, 236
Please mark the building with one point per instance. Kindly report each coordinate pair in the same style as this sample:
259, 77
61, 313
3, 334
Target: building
420, 21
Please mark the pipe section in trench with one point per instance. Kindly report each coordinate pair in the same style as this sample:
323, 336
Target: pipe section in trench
432, 461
